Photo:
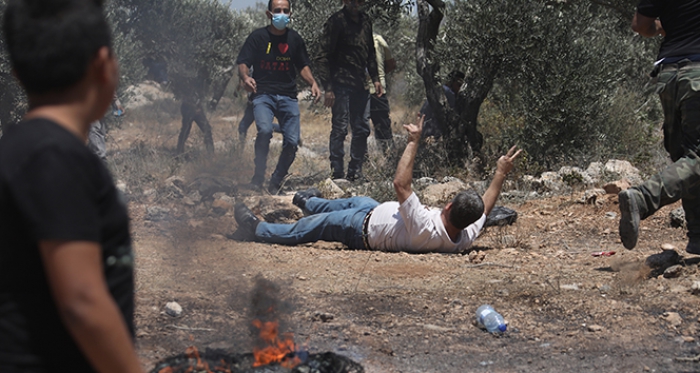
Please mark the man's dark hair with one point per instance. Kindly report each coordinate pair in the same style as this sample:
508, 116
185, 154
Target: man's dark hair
467, 207
51, 42
269, 5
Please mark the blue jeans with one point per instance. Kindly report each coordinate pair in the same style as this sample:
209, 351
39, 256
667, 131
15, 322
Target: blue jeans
338, 220
351, 108
286, 109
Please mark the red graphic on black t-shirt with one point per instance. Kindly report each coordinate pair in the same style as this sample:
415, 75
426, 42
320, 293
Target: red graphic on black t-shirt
283, 47
274, 66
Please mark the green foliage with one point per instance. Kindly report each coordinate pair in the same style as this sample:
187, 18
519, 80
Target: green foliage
569, 77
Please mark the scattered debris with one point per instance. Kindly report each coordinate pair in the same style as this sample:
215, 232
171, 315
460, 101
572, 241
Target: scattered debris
173, 309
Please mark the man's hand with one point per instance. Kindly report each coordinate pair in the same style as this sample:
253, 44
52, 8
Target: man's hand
250, 85
329, 98
505, 163
378, 89
415, 130
316, 93
503, 167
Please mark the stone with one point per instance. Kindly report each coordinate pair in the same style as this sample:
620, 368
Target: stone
673, 318
144, 94
677, 217
173, 309
624, 169
439, 194
594, 170
663, 259
424, 182
673, 271
591, 196
668, 246
695, 289
323, 316
157, 213
330, 189
595, 328
616, 187
220, 206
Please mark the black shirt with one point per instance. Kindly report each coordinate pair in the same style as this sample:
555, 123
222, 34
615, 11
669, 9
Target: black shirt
681, 21
52, 187
347, 52
275, 60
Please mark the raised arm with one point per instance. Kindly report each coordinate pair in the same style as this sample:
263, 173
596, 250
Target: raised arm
503, 167
404, 170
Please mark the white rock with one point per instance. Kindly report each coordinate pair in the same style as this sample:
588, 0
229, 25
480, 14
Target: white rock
173, 309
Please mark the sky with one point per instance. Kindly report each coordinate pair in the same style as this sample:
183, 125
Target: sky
242, 4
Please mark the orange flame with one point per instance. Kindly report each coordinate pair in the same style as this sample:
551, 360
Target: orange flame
278, 350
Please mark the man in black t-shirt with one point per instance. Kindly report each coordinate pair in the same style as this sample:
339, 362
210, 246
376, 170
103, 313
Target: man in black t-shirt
677, 71
66, 263
276, 53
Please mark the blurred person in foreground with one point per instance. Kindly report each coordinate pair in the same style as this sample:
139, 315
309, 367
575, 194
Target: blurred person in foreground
677, 73
66, 263
403, 225
347, 55
277, 54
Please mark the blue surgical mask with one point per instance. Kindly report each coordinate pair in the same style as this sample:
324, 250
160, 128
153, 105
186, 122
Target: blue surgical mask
280, 20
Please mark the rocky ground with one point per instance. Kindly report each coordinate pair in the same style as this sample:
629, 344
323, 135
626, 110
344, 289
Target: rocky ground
567, 309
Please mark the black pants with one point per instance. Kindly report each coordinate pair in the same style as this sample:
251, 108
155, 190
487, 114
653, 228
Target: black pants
194, 113
379, 113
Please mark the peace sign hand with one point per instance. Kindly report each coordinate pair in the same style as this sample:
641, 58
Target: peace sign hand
505, 163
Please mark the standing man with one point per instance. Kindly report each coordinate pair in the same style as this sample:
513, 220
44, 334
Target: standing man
276, 53
379, 104
347, 53
678, 73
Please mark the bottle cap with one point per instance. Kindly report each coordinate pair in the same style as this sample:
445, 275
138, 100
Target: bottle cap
502, 327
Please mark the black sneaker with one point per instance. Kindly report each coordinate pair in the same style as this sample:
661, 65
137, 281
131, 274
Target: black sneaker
693, 246
274, 188
356, 177
245, 218
629, 219
301, 197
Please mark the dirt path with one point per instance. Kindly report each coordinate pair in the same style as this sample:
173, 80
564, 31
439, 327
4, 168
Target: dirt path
567, 310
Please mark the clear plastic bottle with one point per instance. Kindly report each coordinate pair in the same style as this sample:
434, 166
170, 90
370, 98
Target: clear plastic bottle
487, 318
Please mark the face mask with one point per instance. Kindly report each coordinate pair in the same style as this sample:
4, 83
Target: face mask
280, 21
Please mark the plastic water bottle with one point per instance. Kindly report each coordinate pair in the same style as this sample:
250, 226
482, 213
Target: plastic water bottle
487, 318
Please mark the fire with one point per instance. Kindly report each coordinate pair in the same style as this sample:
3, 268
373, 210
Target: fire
277, 350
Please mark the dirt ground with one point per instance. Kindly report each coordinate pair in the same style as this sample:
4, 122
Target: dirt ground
567, 310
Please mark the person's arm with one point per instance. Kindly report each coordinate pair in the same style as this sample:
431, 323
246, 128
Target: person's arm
309, 79
372, 60
248, 81
75, 275
404, 170
647, 26
503, 167
329, 43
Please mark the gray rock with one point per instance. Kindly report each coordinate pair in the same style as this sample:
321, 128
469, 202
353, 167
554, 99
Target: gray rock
157, 213
673, 271
623, 169
173, 309
323, 316
695, 288
439, 194
677, 217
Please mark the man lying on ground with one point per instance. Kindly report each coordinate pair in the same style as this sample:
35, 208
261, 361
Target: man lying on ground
403, 225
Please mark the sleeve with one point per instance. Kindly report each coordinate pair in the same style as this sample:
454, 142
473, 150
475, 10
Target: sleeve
57, 196
371, 54
301, 59
650, 8
247, 53
472, 230
329, 40
416, 217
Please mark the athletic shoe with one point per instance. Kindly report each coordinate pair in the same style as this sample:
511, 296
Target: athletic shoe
629, 219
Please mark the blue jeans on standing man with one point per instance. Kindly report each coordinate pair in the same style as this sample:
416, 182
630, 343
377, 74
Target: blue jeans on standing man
266, 107
338, 220
351, 108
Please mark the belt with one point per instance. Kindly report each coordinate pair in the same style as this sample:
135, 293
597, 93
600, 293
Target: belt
365, 226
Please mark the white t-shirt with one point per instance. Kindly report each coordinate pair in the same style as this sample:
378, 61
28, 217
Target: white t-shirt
414, 228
